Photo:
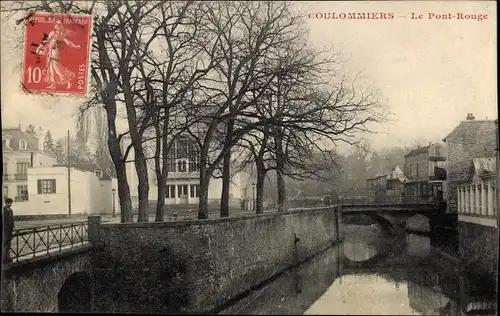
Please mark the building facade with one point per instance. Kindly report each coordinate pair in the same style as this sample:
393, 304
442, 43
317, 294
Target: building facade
183, 178
477, 196
470, 139
91, 192
21, 151
425, 173
387, 188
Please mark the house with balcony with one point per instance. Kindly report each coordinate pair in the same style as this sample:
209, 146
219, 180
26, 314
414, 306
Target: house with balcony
425, 173
477, 208
21, 151
476, 196
470, 139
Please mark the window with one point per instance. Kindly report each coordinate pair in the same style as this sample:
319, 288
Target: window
170, 194
22, 167
181, 166
22, 144
5, 191
195, 190
22, 192
46, 186
4, 143
98, 173
437, 152
182, 190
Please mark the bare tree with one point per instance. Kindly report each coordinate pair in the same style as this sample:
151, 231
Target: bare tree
249, 33
117, 25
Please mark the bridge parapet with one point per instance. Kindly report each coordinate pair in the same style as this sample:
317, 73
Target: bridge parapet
388, 207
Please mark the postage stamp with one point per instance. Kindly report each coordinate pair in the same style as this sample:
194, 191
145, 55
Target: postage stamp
56, 53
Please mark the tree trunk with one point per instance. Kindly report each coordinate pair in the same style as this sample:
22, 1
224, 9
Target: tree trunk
280, 180
204, 182
121, 176
160, 203
143, 187
226, 170
126, 215
115, 152
261, 177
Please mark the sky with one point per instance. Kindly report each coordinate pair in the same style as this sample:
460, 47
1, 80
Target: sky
429, 73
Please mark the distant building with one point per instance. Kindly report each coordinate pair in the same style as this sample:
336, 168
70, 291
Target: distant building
425, 173
21, 151
91, 191
470, 139
395, 186
183, 179
377, 187
386, 188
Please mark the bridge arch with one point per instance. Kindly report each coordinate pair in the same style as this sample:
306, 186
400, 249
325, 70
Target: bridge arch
76, 294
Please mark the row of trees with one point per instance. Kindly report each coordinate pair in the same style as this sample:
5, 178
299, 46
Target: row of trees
80, 151
239, 77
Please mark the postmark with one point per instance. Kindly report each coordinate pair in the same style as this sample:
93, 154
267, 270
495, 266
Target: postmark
57, 53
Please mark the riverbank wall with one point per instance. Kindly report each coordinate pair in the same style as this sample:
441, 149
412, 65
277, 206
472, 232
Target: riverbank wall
478, 245
198, 265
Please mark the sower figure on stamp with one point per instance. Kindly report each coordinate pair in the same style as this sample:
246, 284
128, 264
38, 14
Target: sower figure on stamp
56, 73
8, 228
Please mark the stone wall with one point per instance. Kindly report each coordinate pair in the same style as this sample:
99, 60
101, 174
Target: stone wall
197, 266
479, 249
33, 285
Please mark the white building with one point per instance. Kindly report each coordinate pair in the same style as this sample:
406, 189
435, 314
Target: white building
477, 196
91, 191
21, 151
183, 179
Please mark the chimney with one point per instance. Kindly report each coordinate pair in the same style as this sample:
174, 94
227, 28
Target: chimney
470, 117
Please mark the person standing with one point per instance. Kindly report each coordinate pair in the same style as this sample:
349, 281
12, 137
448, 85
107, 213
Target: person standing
8, 228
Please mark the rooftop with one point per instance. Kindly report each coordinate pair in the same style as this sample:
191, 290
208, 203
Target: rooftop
417, 151
16, 134
470, 128
90, 167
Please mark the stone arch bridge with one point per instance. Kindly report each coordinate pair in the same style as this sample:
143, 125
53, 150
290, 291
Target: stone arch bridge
393, 217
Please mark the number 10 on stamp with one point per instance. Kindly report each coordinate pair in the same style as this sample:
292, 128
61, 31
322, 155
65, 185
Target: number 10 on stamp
56, 53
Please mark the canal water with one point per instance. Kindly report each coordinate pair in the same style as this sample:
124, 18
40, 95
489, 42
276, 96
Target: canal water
371, 273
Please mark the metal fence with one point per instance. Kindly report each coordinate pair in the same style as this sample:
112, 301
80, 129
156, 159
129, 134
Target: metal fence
36, 241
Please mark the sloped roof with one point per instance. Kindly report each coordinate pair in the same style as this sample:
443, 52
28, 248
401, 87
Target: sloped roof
484, 165
417, 151
481, 167
16, 134
471, 128
90, 167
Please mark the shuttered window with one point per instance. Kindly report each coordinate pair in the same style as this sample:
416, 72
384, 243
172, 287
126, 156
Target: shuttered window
46, 186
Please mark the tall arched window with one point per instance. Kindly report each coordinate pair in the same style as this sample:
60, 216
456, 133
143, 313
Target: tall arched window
22, 144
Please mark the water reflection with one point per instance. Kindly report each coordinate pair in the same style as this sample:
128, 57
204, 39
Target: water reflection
418, 245
359, 251
361, 294
370, 274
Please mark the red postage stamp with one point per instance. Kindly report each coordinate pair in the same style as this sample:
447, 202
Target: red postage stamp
56, 53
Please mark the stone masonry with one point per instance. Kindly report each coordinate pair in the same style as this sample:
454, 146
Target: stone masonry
197, 266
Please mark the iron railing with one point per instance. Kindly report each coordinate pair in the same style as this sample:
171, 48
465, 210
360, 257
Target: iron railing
35, 241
